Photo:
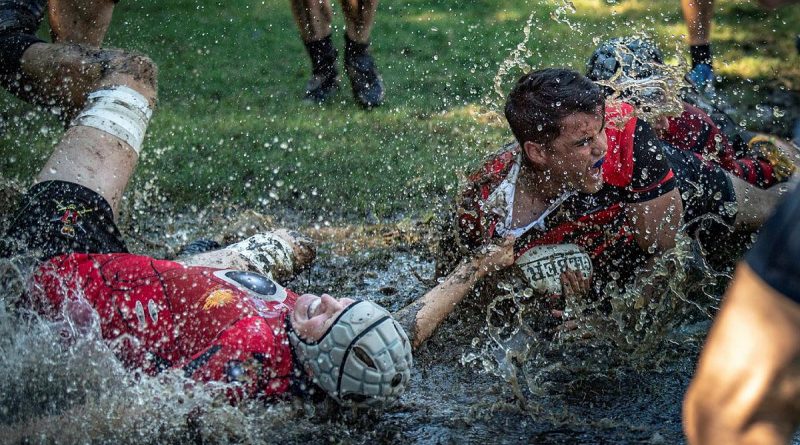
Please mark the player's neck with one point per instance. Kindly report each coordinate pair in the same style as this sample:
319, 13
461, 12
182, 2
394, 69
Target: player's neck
539, 185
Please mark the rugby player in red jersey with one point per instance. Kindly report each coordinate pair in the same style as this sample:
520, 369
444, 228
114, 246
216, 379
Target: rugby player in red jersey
217, 317
586, 195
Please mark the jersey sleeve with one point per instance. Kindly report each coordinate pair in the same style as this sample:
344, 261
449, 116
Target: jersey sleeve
695, 131
652, 175
775, 255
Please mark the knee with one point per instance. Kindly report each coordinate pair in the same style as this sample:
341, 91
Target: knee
134, 66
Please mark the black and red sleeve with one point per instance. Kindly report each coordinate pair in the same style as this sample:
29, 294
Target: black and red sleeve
652, 175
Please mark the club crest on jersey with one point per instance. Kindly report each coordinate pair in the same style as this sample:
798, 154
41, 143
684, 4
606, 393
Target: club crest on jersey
543, 265
218, 298
69, 217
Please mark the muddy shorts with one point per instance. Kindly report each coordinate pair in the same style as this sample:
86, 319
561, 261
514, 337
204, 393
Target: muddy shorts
57, 217
776, 255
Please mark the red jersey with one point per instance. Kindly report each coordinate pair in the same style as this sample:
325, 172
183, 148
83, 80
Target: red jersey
635, 170
221, 325
695, 131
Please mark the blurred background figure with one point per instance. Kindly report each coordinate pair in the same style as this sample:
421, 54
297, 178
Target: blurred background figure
747, 386
313, 18
698, 15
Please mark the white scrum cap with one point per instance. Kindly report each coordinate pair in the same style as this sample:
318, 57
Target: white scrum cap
363, 359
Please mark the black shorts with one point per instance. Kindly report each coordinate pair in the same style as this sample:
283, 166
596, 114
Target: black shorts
56, 218
706, 189
776, 255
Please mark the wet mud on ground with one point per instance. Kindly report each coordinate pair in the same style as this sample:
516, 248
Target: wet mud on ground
448, 402
617, 401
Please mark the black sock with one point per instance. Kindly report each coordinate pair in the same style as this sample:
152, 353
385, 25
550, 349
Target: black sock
353, 49
700, 54
323, 56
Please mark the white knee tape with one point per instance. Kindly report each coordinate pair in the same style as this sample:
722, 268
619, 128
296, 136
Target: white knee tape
119, 111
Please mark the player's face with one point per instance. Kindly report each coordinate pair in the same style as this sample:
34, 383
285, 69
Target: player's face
573, 156
313, 315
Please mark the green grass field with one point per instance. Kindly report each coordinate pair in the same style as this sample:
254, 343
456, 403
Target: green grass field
230, 123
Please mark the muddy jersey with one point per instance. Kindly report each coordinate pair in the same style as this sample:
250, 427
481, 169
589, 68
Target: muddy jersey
635, 170
221, 325
695, 131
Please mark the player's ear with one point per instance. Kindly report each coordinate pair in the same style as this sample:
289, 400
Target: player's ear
535, 153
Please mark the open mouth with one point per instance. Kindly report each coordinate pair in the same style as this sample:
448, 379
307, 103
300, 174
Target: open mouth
599, 162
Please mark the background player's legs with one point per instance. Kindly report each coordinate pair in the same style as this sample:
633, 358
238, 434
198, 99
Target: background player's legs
80, 21
97, 159
359, 16
698, 14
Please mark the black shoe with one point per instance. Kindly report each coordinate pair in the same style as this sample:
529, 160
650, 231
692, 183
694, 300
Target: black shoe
322, 87
364, 79
197, 246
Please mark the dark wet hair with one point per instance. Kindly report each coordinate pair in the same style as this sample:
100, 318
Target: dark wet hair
542, 98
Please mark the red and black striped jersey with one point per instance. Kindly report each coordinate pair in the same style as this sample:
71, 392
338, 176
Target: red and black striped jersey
635, 170
694, 130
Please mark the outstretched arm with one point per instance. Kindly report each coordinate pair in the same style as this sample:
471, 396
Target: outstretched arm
279, 253
421, 318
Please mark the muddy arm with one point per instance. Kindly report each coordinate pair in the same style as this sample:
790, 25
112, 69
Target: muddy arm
421, 318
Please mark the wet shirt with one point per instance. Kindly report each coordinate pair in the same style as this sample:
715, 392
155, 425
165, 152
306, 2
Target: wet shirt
695, 131
635, 170
220, 325
775, 255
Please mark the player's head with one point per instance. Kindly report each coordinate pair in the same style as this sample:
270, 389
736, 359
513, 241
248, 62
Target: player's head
558, 118
542, 99
352, 349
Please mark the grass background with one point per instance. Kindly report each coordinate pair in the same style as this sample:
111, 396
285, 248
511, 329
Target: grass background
231, 127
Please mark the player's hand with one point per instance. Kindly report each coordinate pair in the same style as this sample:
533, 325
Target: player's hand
494, 257
574, 284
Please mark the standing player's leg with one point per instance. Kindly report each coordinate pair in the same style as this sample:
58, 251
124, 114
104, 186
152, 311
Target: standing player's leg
367, 84
80, 21
313, 18
698, 15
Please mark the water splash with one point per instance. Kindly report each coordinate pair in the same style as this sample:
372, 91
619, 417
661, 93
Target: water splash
516, 59
658, 94
623, 331
64, 384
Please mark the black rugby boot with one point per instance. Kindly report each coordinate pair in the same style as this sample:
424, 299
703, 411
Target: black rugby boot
364, 78
322, 86
324, 81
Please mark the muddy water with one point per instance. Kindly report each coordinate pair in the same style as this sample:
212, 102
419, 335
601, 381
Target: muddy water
69, 392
